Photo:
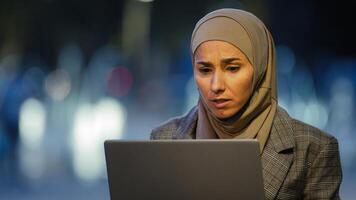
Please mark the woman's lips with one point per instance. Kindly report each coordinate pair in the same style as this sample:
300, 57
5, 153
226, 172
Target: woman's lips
220, 103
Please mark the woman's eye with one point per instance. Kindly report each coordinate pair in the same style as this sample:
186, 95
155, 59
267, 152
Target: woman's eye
233, 68
204, 70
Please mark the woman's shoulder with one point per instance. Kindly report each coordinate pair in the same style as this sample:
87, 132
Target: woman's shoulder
307, 136
170, 128
304, 131
316, 161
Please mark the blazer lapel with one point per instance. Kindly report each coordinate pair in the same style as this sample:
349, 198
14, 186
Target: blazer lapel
277, 155
186, 128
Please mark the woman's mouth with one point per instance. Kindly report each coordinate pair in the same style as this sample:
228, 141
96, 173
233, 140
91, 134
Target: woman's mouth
220, 103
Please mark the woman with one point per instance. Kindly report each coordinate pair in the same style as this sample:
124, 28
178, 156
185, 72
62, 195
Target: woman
234, 68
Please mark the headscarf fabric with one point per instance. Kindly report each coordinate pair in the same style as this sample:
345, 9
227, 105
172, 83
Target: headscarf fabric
246, 32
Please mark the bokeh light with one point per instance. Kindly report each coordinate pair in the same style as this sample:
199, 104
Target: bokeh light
93, 125
32, 123
119, 81
58, 84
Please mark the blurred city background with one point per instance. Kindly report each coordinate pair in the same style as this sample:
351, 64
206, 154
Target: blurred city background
75, 73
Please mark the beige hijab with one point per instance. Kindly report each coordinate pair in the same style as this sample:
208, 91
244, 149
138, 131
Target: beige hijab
245, 31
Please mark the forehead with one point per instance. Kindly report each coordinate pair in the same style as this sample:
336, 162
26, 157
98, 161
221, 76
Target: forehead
215, 48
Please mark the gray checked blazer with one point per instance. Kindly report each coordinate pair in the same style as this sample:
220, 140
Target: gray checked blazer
298, 161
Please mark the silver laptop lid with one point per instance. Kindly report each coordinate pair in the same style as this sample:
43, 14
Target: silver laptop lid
184, 169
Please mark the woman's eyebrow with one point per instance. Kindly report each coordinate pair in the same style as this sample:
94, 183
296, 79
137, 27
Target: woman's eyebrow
229, 60
205, 63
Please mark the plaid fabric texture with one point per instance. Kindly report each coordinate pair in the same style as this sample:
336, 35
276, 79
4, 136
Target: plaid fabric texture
298, 161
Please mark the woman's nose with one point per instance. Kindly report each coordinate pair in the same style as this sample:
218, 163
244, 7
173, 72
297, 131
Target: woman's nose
217, 83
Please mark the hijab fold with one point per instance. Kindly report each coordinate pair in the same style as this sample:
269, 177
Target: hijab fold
246, 32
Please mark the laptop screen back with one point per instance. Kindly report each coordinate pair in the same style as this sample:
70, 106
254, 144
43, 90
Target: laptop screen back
184, 169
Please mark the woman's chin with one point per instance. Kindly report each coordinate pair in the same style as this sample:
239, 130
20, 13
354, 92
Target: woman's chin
223, 115
227, 114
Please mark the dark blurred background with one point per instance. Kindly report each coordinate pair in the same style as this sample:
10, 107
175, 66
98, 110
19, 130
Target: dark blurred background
74, 73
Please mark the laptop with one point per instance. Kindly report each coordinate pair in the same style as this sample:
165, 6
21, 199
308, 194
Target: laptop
184, 169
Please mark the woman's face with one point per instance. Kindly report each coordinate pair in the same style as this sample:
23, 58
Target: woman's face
224, 77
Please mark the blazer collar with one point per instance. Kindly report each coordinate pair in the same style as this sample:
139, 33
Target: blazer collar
187, 125
281, 136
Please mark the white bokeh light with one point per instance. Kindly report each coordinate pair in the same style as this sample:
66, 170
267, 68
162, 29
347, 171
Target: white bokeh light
316, 114
93, 125
32, 125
